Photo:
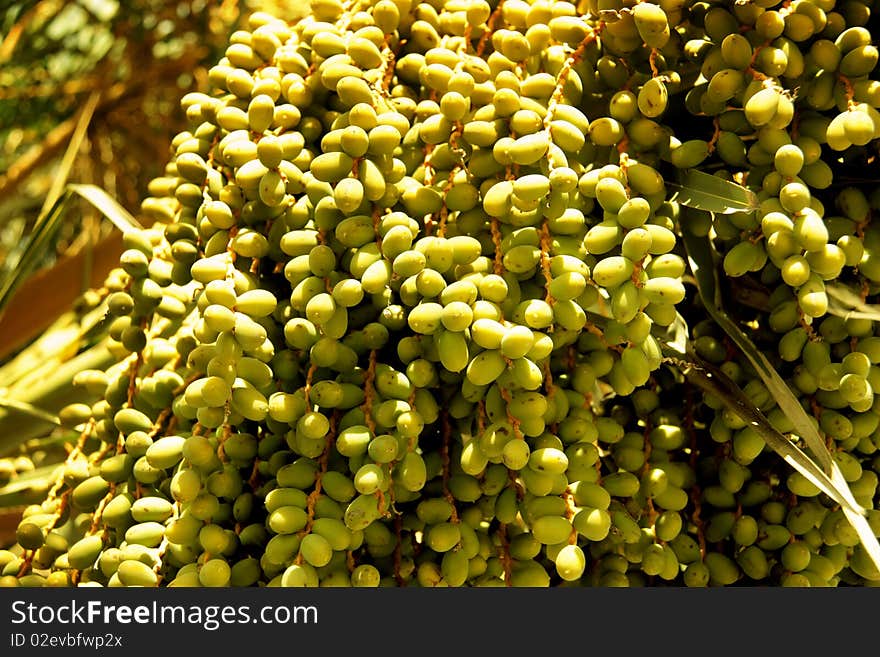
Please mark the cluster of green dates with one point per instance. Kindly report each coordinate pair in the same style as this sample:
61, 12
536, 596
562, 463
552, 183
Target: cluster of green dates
794, 109
399, 317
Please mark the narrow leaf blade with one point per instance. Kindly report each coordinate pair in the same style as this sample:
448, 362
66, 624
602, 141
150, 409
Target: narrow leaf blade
845, 303
866, 534
70, 155
715, 382
29, 409
34, 251
703, 191
107, 205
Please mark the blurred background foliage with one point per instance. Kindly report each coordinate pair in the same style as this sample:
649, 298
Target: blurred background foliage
125, 63
89, 95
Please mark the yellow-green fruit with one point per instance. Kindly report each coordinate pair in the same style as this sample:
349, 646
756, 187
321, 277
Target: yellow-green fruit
741, 259
723, 571
517, 342
211, 391
592, 523
426, 318
535, 313
260, 113
287, 520
497, 200
551, 530
625, 302
256, 303
858, 127
634, 212
652, 24
348, 194
531, 187
251, 403
316, 550
612, 271
696, 574
443, 537
129, 420
515, 454
636, 365
456, 214
73, 415
331, 167
413, 473
835, 134
663, 290
485, 367
859, 61
117, 468
548, 460
570, 563
117, 512
452, 348
795, 270
136, 573
761, 107
644, 179
568, 286
529, 148
603, 237
794, 197
636, 244
146, 509
83, 553
567, 136
165, 452
810, 230
192, 167
87, 494
487, 333
611, 194
457, 316
653, 96
731, 148
689, 154
149, 534
623, 106
215, 573
788, 160
232, 118
606, 131
736, 51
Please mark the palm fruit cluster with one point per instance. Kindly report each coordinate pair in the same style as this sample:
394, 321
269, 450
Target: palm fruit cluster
399, 320
794, 114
